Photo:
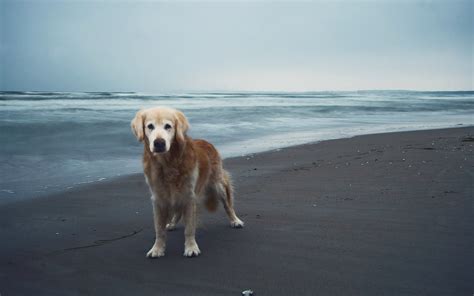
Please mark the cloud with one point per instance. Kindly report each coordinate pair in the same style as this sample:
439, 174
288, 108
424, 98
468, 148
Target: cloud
173, 46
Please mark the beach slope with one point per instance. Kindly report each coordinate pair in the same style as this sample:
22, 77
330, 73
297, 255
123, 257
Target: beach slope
384, 214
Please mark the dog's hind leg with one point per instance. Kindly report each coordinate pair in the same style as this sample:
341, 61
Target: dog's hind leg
174, 220
225, 192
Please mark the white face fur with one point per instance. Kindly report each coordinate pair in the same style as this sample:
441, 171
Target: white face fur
160, 134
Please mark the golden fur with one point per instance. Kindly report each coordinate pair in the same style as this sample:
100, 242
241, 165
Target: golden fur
182, 173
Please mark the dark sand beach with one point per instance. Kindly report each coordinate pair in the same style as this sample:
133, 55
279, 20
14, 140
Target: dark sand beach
384, 214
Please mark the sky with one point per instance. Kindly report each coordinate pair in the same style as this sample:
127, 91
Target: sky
170, 46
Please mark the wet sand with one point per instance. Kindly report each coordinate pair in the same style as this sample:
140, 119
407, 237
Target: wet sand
385, 214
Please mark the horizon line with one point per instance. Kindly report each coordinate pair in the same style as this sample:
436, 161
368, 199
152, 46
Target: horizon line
239, 91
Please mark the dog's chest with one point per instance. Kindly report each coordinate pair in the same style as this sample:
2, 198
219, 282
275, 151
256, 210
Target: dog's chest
168, 183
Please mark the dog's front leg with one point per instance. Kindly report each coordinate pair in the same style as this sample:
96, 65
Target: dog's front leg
160, 217
191, 248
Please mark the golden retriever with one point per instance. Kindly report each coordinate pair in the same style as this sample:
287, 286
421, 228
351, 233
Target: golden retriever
181, 172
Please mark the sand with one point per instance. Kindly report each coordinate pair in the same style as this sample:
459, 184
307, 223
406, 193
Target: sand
385, 214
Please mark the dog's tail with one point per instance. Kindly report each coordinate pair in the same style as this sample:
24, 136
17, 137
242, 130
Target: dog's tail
224, 191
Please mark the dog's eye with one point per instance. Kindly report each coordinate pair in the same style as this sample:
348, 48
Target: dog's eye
151, 126
167, 126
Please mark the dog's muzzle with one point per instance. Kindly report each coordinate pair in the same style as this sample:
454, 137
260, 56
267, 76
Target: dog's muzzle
159, 146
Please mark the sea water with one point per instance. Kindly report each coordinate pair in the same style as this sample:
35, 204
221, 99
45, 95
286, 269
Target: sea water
56, 141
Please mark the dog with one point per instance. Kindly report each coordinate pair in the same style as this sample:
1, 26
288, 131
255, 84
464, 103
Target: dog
181, 173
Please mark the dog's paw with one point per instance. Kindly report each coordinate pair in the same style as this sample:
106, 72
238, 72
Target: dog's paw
192, 250
170, 226
237, 223
156, 252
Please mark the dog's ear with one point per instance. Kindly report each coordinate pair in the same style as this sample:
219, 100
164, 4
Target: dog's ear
182, 126
137, 125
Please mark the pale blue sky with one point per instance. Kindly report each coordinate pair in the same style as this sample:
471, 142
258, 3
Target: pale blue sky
201, 46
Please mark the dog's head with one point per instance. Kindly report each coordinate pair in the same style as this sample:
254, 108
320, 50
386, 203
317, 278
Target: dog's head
159, 128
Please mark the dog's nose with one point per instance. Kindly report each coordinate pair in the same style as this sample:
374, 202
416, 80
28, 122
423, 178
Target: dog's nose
159, 145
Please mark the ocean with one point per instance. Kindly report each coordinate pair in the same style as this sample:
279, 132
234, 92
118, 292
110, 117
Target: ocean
57, 141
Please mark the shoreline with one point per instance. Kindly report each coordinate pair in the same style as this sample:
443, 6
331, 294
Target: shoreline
100, 180
387, 213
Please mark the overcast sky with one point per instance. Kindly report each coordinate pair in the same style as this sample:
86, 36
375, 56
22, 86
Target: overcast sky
201, 46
